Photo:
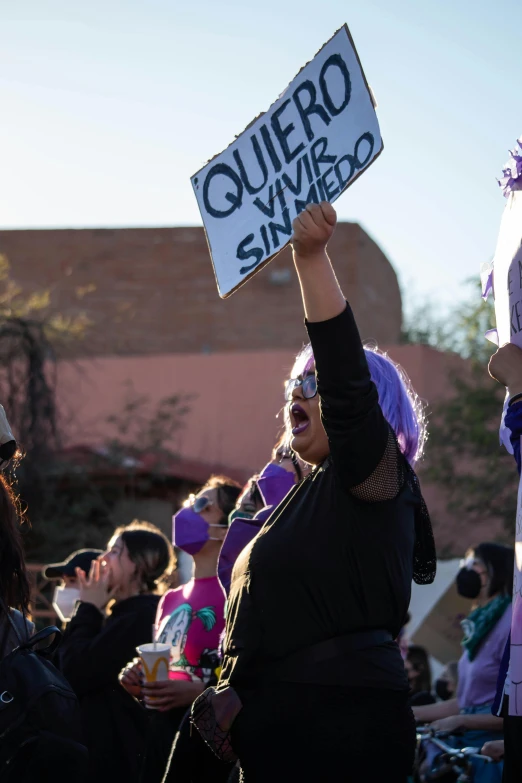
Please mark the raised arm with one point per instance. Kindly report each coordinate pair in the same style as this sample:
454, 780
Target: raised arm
358, 435
322, 295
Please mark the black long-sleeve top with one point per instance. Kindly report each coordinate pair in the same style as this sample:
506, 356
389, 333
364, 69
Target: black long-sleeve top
93, 652
337, 555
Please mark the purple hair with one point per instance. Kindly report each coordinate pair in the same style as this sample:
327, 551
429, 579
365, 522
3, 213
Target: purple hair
401, 406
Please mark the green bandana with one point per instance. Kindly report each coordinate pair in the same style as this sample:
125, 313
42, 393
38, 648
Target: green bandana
481, 621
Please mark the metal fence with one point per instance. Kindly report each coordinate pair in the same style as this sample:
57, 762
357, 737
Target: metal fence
41, 596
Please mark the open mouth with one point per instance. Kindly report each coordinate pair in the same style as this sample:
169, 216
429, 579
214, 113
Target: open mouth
299, 418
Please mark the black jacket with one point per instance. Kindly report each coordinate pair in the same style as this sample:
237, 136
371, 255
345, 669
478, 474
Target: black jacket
93, 652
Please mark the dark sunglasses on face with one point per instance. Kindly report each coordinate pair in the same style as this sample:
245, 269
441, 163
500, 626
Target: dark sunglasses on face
200, 504
308, 386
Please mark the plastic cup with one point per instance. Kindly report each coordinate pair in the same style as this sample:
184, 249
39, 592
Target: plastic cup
155, 660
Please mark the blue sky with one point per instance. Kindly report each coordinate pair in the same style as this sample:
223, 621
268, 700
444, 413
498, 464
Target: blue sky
108, 107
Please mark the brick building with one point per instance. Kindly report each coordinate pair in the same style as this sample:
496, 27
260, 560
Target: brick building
156, 321
152, 290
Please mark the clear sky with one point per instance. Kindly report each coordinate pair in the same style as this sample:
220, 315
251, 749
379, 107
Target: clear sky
108, 107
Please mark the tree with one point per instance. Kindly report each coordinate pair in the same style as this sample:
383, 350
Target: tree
66, 506
464, 455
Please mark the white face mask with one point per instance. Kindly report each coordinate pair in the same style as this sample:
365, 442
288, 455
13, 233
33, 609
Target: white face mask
64, 601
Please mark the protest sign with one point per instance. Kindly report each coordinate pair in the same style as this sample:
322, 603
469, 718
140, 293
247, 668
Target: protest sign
507, 289
312, 143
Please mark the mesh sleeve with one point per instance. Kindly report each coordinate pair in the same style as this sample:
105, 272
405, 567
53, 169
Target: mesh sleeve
387, 479
385, 483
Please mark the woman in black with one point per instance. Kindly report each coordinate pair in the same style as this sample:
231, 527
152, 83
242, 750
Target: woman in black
96, 646
319, 596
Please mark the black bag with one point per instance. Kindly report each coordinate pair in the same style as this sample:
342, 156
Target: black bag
40, 724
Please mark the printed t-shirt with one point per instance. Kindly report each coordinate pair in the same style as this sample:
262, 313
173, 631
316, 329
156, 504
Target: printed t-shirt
191, 619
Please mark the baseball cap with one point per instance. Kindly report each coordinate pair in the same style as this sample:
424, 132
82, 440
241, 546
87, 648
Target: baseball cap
82, 558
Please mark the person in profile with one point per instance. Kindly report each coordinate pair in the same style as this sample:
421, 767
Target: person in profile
67, 592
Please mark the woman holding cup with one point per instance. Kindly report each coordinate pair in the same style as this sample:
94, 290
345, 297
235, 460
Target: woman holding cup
190, 620
98, 643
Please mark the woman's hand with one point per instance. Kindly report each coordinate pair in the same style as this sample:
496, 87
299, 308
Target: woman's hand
168, 694
312, 230
494, 749
453, 723
94, 589
505, 366
131, 678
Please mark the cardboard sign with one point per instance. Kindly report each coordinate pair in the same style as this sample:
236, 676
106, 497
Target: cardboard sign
507, 274
507, 286
313, 142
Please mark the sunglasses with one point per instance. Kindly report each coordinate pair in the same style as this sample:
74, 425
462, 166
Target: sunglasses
308, 386
200, 504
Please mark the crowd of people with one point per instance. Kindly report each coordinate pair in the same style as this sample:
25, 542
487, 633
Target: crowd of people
288, 650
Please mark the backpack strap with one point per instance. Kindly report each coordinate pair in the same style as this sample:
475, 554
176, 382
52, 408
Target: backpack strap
41, 636
33, 641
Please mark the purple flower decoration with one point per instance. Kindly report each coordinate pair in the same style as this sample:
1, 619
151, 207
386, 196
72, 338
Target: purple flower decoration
512, 171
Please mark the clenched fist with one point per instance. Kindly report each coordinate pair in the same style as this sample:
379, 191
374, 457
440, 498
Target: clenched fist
313, 229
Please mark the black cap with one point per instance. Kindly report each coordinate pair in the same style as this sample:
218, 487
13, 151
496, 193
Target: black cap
80, 559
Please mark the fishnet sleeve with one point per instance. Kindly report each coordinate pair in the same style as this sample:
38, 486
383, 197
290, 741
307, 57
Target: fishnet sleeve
387, 479
385, 483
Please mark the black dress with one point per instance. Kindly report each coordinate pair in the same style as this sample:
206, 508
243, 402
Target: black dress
336, 557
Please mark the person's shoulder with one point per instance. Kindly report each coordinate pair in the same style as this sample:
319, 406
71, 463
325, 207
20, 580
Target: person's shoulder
172, 596
24, 626
137, 604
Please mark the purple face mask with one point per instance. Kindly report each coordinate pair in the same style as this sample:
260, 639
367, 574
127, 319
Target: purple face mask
190, 532
274, 483
240, 533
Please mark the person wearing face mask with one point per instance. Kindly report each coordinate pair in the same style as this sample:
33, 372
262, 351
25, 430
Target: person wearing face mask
311, 671
191, 620
486, 579
67, 593
118, 602
260, 497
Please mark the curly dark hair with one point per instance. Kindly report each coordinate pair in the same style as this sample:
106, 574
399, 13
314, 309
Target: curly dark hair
14, 584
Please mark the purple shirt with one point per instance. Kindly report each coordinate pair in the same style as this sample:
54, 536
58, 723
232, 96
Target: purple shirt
478, 678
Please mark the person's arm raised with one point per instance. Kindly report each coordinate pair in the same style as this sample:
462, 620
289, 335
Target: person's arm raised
357, 431
322, 295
